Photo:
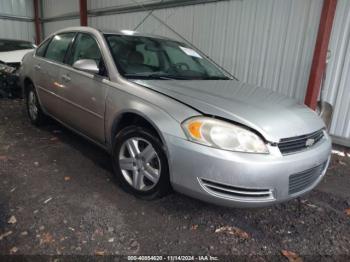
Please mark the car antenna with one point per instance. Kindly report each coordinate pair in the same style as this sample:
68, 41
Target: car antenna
178, 34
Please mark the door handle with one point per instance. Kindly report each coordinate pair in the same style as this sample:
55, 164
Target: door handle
66, 78
37, 67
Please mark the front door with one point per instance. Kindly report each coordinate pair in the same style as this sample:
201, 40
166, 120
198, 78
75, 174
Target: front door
84, 93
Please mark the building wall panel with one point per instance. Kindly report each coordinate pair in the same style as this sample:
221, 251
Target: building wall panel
117, 22
17, 7
52, 8
337, 87
51, 27
93, 4
17, 30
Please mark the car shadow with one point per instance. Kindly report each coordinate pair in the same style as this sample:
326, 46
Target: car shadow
88, 149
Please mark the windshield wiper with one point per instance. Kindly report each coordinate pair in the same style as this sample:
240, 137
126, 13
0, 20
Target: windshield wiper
161, 76
136, 76
216, 78
165, 76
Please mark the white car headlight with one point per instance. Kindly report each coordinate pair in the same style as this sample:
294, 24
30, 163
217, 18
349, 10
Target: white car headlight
223, 135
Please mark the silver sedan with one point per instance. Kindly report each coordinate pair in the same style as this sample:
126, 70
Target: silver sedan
173, 119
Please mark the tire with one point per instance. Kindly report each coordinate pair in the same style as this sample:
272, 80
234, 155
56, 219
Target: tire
144, 173
34, 111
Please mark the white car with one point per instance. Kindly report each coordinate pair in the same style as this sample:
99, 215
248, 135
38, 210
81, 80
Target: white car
12, 51
11, 55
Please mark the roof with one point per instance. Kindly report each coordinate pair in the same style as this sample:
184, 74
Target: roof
107, 31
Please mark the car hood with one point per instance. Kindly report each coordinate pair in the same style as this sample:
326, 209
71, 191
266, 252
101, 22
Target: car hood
273, 115
14, 56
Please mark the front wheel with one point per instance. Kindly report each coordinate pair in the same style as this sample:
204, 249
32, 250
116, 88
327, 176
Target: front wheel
140, 163
35, 114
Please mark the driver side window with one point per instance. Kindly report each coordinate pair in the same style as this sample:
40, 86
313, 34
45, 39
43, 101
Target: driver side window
85, 47
58, 46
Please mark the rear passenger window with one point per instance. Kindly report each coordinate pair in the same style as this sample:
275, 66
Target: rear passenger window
58, 46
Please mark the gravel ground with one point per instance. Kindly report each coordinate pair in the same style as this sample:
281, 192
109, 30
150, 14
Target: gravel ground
58, 196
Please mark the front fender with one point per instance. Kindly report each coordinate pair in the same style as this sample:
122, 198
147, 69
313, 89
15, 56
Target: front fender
152, 106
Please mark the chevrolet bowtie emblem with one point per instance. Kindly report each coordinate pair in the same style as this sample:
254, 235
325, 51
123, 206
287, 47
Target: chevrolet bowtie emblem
310, 142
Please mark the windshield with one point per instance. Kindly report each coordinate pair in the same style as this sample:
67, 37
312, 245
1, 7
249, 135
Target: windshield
139, 57
13, 45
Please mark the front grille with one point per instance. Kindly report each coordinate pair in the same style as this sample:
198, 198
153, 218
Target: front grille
302, 180
299, 143
236, 192
14, 65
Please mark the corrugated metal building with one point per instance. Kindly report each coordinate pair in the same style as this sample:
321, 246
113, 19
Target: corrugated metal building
51, 11
22, 28
269, 43
337, 88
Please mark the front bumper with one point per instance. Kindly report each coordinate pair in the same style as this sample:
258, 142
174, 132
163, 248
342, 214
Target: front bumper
242, 179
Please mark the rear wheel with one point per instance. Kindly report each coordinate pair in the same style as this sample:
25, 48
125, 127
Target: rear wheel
140, 163
35, 114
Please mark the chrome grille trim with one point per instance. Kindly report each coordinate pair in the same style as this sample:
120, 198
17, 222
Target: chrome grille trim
228, 191
301, 181
299, 143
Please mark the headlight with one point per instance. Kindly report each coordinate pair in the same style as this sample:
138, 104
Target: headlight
223, 135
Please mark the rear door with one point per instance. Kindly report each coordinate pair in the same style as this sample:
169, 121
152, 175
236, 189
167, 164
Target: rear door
84, 93
48, 60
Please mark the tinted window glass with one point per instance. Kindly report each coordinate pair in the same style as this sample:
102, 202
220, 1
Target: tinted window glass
13, 45
149, 58
42, 48
177, 57
85, 47
140, 57
58, 47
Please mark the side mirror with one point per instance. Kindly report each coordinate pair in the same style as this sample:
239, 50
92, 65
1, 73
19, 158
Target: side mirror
87, 65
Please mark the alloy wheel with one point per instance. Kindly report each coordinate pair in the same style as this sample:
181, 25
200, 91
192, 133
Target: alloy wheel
139, 163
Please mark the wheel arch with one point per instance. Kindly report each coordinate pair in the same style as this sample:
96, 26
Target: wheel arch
133, 117
26, 82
